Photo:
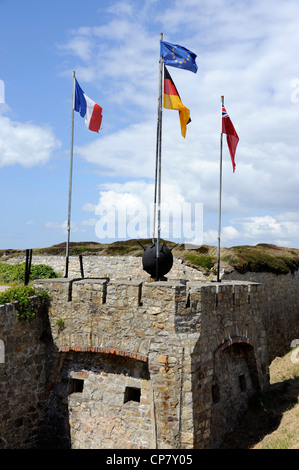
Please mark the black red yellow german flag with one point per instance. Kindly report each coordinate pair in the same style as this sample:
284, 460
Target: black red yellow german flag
172, 100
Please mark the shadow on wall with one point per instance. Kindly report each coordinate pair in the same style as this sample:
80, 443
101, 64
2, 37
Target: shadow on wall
225, 392
55, 431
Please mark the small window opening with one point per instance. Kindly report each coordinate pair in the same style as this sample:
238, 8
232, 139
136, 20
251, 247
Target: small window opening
132, 394
76, 386
215, 393
242, 382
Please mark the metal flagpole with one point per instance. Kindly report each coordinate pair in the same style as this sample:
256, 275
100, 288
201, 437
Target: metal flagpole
220, 190
158, 162
70, 184
157, 157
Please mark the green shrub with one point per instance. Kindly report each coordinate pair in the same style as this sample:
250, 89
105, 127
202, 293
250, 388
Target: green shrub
22, 294
206, 262
42, 271
10, 273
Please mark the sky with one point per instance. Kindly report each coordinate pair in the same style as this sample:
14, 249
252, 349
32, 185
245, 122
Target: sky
247, 51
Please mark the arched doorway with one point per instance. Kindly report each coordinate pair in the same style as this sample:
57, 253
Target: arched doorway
235, 379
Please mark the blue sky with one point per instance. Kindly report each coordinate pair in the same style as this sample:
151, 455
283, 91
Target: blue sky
246, 50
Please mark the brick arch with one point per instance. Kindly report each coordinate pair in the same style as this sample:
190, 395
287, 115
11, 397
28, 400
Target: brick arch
103, 350
230, 341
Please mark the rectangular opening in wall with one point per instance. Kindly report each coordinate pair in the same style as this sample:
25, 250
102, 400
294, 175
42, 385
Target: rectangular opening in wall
242, 382
132, 394
75, 386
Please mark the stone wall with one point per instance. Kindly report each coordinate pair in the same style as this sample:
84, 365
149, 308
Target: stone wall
144, 358
24, 372
119, 362
280, 309
115, 267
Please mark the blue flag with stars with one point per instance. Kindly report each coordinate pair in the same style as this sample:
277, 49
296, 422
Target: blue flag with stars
178, 56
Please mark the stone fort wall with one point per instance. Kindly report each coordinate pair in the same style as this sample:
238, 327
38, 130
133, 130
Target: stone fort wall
24, 370
280, 309
133, 364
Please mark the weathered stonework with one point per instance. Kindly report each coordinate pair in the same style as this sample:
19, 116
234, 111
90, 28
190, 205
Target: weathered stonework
280, 311
127, 363
162, 341
23, 377
114, 267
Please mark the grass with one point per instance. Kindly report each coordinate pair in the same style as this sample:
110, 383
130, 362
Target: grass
263, 258
119, 248
206, 262
259, 258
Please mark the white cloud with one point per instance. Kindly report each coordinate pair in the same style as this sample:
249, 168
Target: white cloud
255, 72
61, 227
229, 233
126, 152
25, 143
78, 45
279, 229
88, 207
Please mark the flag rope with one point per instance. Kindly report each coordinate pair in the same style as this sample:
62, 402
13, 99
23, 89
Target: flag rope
70, 183
220, 191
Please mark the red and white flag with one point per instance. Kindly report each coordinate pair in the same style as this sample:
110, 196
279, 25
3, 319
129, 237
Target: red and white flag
231, 135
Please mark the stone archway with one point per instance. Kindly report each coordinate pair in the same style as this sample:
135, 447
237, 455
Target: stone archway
235, 379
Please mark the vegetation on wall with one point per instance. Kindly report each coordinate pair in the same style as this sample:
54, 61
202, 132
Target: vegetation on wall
14, 275
24, 296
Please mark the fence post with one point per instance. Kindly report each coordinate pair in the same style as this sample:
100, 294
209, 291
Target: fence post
81, 266
27, 266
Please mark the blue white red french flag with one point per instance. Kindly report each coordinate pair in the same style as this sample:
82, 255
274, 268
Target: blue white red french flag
231, 135
88, 109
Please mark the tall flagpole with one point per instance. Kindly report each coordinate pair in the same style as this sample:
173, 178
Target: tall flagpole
158, 162
220, 190
157, 154
70, 183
